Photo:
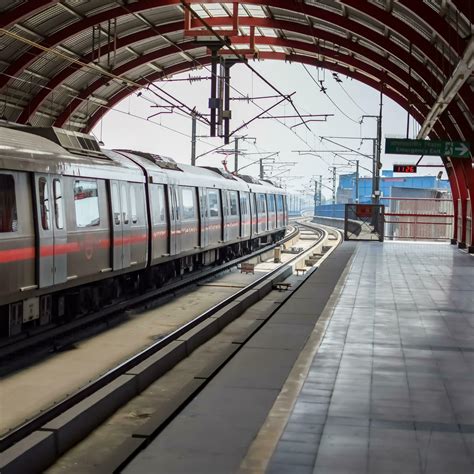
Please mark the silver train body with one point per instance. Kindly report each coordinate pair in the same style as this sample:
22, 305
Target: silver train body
80, 226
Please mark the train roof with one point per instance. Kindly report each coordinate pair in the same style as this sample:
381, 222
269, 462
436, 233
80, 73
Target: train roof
23, 151
43, 150
161, 170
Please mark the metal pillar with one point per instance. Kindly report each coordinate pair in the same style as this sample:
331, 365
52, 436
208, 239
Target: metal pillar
193, 140
374, 166
315, 196
236, 155
214, 101
378, 151
333, 185
226, 112
357, 182
261, 168
320, 197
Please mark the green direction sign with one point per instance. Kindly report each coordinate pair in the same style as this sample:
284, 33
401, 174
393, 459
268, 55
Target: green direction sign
402, 146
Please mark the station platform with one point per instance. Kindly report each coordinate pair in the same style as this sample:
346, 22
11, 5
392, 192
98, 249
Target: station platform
368, 367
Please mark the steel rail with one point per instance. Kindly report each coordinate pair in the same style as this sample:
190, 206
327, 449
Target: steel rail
17, 434
35, 338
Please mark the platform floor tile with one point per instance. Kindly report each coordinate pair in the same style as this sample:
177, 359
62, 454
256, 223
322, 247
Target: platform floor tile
391, 387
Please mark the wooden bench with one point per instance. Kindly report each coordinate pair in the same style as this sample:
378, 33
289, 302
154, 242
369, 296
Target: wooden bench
282, 286
300, 271
247, 268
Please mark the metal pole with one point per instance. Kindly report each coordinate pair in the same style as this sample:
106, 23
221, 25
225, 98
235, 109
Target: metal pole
213, 100
226, 111
374, 163
315, 196
357, 181
379, 150
193, 140
236, 155
320, 189
334, 186
261, 168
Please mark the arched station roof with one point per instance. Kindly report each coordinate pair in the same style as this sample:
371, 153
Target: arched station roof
67, 62
60, 65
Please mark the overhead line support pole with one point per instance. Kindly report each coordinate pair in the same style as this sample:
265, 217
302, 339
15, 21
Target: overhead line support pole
236, 155
213, 100
315, 196
193, 140
357, 182
320, 197
379, 150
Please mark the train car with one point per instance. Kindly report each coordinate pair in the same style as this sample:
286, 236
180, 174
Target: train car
81, 226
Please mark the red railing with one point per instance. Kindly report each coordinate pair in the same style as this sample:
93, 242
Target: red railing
418, 218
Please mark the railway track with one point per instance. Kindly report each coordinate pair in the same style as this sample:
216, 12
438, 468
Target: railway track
50, 339
108, 387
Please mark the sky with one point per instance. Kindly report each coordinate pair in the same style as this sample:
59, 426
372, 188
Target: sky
169, 134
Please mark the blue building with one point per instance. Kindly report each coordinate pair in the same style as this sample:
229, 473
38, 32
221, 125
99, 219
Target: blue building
346, 191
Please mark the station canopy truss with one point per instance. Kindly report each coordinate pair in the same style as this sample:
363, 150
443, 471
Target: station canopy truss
66, 63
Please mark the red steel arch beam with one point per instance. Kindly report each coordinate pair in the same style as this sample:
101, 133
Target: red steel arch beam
58, 79
469, 177
27, 58
23, 11
140, 61
360, 65
404, 99
466, 7
462, 189
257, 22
395, 96
69, 109
420, 10
424, 12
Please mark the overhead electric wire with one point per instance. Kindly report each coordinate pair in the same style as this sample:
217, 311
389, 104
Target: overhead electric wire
109, 108
244, 60
132, 84
351, 98
322, 89
224, 42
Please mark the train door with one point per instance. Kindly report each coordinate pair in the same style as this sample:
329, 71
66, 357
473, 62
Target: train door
225, 214
121, 231
203, 209
175, 223
126, 224
52, 235
253, 214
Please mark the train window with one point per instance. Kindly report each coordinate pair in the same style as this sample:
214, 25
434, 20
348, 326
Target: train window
203, 204
244, 207
8, 216
158, 204
123, 195
279, 200
116, 203
234, 200
86, 202
44, 202
188, 199
58, 204
213, 202
271, 202
261, 204
133, 204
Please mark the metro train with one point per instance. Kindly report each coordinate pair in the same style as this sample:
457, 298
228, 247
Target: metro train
82, 226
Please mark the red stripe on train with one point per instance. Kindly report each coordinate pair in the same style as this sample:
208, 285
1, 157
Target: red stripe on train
14, 255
